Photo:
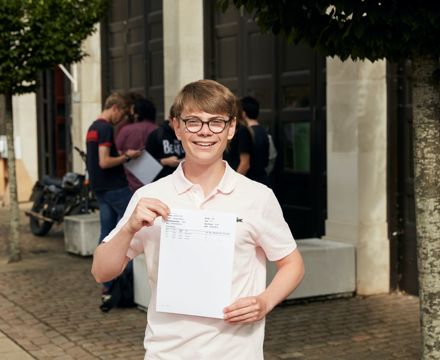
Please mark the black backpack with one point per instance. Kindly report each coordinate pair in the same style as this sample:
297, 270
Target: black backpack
122, 292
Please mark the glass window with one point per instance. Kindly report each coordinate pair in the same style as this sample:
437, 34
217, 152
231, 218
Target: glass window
297, 146
296, 96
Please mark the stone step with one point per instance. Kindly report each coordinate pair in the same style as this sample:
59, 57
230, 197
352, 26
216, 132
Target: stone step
329, 270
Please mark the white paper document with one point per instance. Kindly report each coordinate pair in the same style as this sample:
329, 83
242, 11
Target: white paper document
195, 262
145, 167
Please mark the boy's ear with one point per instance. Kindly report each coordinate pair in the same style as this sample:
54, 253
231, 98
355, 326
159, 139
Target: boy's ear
231, 129
175, 124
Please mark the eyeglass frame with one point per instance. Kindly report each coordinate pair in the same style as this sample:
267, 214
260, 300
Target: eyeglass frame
207, 123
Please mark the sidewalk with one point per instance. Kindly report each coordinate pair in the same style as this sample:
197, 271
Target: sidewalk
9, 350
49, 310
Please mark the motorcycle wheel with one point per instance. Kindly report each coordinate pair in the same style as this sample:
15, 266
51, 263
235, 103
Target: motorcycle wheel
39, 227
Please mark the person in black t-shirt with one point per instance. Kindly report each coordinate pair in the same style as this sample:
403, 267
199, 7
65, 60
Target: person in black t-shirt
164, 146
238, 151
260, 141
104, 163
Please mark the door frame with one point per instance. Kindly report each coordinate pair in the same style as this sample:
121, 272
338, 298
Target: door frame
46, 126
401, 205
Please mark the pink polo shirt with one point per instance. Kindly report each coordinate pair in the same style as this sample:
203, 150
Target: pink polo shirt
262, 233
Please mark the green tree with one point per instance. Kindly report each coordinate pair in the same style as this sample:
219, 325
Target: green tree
393, 30
36, 35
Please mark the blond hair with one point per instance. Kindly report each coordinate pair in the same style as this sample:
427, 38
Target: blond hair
208, 96
117, 99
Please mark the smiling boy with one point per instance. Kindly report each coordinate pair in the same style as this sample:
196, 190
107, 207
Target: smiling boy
205, 121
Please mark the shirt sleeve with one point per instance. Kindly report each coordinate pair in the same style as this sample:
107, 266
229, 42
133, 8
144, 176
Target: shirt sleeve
274, 235
151, 144
105, 136
244, 141
266, 146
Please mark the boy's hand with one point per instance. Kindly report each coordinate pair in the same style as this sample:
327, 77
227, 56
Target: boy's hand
246, 310
146, 211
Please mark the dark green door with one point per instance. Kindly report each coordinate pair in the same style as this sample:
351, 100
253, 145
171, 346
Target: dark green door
301, 178
132, 49
289, 82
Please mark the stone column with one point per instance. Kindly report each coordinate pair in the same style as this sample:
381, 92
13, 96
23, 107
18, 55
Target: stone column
24, 109
87, 97
182, 45
357, 168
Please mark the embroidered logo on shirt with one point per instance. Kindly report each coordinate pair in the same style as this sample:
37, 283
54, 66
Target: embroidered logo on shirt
239, 220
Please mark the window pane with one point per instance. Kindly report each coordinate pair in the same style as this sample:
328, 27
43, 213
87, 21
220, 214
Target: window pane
297, 146
296, 96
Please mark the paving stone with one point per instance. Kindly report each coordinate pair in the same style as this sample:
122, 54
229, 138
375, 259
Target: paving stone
49, 309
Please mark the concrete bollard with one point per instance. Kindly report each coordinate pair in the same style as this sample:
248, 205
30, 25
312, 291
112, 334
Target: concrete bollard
81, 233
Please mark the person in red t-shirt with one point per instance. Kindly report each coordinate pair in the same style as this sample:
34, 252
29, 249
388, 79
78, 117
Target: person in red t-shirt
105, 168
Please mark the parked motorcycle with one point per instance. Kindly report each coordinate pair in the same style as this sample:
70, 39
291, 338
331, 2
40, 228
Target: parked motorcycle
54, 198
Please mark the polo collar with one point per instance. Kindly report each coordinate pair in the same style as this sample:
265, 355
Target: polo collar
181, 183
225, 186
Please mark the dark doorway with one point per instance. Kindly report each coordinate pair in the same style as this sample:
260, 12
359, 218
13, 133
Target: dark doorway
301, 178
132, 49
289, 82
53, 124
404, 273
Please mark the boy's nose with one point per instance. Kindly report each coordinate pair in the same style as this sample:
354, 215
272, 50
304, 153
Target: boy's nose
205, 129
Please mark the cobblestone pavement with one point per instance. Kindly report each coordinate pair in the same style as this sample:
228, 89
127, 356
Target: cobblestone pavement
49, 310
